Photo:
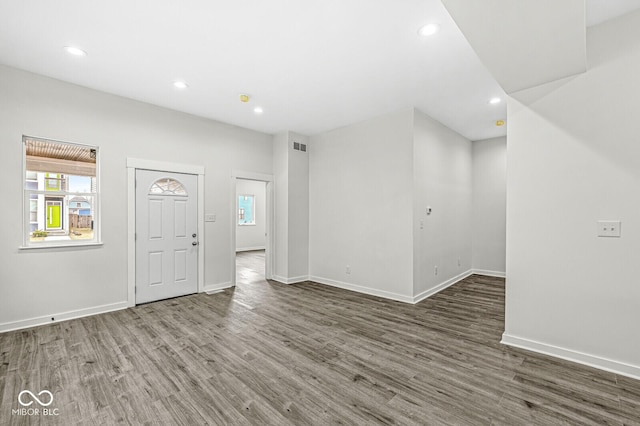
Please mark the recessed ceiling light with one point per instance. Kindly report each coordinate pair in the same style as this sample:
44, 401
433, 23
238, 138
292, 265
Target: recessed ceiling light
258, 110
180, 84
499, 123
429, 29
494, 101
76, 51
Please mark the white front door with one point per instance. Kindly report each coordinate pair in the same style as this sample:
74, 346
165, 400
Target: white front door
166, 235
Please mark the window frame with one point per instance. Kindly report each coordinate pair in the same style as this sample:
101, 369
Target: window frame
253, 210
26, 201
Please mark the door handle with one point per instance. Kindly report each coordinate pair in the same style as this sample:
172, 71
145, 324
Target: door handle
195, 243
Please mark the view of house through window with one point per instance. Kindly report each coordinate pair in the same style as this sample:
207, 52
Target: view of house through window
60, 191
246, 210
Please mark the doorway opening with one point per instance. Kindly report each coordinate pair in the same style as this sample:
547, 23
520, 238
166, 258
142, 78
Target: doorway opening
252, 226
251, 230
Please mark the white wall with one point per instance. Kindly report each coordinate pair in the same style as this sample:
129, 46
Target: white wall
291, 168
442, 180
360, 206
252, 237
281, 205
298, 225
489, 210
574, 159
44, 282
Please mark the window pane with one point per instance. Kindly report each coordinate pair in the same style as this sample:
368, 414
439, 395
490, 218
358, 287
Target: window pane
81, 217
81, 184
33, 211
246, 214
64, 218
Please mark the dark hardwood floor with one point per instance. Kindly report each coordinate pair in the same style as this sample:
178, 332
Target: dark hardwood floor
272, 354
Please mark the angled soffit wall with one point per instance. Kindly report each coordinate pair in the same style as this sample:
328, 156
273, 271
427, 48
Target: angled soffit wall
524, 43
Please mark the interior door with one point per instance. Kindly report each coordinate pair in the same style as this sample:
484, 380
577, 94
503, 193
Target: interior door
166, 235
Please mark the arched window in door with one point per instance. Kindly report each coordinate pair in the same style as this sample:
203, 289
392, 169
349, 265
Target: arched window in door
167, 186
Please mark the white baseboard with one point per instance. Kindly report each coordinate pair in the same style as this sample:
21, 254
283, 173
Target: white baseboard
279, 279
612, 366
361, 289
250, 249
214, 288
293, 280
430, 292
61, 316
486, 273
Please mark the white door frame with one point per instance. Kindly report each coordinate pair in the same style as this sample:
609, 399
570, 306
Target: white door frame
132, 165
269, 248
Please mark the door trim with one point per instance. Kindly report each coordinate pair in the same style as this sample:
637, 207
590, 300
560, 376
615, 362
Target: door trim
269, 243
132, 165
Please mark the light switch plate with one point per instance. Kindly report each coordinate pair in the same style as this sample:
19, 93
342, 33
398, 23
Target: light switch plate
209, 217
609, 228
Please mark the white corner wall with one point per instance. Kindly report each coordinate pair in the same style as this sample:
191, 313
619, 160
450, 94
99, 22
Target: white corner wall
574, 159
298, 225
39, 284
281, 206
489, 206
360, 206
442, 180
252, 237
291, 168
524, 43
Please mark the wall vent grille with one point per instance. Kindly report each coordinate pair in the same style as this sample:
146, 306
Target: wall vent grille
300, 146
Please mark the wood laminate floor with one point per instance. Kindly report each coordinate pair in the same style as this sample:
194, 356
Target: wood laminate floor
272, 354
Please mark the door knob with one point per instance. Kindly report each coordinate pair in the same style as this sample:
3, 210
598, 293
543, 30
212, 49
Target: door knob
195, 243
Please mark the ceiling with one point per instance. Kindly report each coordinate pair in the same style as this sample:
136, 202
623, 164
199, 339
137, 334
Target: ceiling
311, 65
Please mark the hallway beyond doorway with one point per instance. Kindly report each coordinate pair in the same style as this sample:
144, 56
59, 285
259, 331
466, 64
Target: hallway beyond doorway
250, 267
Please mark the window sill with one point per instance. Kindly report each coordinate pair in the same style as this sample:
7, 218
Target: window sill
246, 224
58, 245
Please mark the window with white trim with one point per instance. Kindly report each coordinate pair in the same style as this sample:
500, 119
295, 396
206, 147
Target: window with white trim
61, 195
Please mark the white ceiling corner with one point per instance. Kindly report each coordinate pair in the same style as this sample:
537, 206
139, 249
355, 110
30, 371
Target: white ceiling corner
524, 43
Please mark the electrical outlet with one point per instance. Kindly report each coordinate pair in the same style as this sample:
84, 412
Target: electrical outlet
435, 270
458, 262
608, 228
347, 270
